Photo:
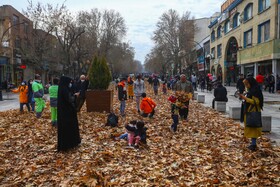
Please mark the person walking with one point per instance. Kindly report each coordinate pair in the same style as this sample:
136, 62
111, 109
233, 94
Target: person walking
156, 85
193, 80
23, 96
138, 88
68, 135
252, 102
184, 86
220, 94
38, 91
53, 91
147, 106
30, 94
122, 95
81, 87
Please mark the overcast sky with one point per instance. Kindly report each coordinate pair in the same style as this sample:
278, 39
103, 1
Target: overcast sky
141, 16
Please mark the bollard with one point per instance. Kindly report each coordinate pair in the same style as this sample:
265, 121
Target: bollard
234, 112
220, 106
200, 98
266, 123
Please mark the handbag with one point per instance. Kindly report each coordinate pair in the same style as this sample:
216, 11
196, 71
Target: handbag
254, 119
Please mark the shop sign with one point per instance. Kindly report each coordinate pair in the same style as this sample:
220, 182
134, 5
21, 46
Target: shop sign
22, 66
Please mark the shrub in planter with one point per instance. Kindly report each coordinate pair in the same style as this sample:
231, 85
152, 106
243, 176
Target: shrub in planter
99, 74
98, 98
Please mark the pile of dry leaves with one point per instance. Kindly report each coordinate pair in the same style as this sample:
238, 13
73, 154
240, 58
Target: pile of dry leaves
208, 150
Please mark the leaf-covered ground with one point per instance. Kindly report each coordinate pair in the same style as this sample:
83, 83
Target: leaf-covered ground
208, 150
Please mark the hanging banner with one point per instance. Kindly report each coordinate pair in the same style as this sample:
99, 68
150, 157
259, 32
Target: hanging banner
200, 63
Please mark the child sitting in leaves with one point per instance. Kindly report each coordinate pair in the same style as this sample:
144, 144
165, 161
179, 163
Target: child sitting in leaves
136, 134
124, 136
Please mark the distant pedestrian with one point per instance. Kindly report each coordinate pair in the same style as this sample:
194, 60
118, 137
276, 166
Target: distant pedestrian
80, 91
260, 80
164, 88
193, 80
220, 94
202, 83
156, 84
53, 91
122, 95
68, 135
147, 106
252, 102
23, 96
240, 85
38, 91
138, 88
30, 94
228, 80
130, 87
271, 85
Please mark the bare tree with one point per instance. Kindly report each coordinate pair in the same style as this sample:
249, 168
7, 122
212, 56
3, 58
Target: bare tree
173, 35
41, 49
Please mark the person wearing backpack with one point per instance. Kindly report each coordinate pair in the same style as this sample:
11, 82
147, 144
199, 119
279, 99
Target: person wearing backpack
147, 106
271, 85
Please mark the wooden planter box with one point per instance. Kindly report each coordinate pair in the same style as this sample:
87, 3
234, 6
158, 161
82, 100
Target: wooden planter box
99, 100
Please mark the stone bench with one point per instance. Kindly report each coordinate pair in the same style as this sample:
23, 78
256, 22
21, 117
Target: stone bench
266, 123
220, 106
201, 98
195, 96
235, 112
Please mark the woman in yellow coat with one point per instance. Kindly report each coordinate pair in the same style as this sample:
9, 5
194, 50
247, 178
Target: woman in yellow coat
23, 95
252, 102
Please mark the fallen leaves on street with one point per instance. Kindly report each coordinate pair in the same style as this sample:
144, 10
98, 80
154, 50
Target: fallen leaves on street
208, 150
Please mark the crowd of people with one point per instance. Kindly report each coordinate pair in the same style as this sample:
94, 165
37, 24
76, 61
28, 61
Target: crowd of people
68, 96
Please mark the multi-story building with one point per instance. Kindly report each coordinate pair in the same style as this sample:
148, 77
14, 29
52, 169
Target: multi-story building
15, 33
245, 39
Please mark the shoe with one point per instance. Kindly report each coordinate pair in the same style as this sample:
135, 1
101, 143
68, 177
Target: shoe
129, 147
252, 147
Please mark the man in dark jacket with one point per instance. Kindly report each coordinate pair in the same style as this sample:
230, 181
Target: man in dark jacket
81, 88
240, 85
220, 94
122, 95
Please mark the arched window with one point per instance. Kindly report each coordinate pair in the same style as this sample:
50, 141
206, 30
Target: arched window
248, 12
219, 32
236, 20
227, 26
213, 36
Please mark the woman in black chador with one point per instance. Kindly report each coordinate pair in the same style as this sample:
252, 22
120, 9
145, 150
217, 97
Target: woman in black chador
67, 121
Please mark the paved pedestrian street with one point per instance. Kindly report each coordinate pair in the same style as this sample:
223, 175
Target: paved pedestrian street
208, 150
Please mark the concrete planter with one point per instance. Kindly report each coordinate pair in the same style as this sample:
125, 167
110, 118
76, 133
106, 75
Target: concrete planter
235, 112
220, 106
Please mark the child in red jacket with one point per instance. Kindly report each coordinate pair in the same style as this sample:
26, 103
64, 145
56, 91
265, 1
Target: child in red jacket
147, 106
